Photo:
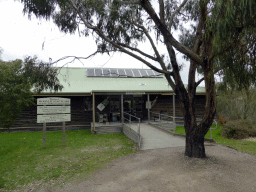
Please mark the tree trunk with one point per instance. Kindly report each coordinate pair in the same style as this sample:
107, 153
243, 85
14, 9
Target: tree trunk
195, 145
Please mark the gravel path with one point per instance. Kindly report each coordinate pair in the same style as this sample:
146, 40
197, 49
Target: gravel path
225, 170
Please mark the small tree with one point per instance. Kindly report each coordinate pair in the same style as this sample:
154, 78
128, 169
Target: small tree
17, 79
210, 30
236, 103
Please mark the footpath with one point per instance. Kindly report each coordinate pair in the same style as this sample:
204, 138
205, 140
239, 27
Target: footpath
153, 138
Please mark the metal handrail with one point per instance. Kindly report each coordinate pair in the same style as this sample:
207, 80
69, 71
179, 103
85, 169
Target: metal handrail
199, 119
161, 119
130, 121
213, 128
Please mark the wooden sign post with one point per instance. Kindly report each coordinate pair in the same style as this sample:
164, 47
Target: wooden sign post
53, 109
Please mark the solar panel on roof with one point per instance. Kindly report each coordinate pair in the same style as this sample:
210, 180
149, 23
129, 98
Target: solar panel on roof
98, 72
136, 73
106, 72
150, 73
158, 74
143, 73
121, 73
114, 73
90, 72
129, 72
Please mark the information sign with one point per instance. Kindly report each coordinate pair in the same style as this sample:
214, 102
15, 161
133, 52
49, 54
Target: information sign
52, 114
53, 101
53, 118
148, 105
52, 109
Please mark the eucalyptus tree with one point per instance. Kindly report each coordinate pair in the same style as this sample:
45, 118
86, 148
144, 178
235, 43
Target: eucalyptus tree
209, 30
18, 80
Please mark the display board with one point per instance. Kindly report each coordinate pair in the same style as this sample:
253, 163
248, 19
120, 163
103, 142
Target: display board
53, 109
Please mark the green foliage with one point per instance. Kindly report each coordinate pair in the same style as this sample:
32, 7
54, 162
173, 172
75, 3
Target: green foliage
236, 104
230, 26
240, 145
113, 19
24, 161
14, 94
238, 129
233, 24
17, 78
40, 75
221, 120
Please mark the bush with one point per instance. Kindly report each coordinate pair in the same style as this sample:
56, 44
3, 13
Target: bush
238, 129
221, 120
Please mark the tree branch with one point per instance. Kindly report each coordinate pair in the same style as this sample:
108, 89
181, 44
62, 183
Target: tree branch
137, 50
175, 12
161, 11
196, 48
168, 36
66, 57
159, 59
216, 71
121, 49
129, 2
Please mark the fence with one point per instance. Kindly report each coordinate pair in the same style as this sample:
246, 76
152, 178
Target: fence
129, 129
168, 122
163, 121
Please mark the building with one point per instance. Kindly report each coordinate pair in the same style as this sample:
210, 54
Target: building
99, 95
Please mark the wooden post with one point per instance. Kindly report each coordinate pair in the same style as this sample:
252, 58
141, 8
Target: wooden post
44, 135
122, 109
173, 100
93, 110
64, 133
148, 111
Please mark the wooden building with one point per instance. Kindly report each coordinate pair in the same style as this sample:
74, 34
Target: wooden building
98, 95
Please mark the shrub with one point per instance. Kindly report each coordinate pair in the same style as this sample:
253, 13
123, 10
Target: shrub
238, 129
221, 120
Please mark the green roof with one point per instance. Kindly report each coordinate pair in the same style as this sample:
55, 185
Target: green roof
75, 81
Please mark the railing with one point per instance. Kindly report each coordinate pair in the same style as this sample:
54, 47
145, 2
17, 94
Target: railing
131, 122
216, 125
162, 118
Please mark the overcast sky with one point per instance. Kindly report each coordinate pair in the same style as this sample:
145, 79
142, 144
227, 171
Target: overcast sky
20, 37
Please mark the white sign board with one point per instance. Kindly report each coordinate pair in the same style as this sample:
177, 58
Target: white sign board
53, 118
148, 105
53, 101
52, 109
101, 106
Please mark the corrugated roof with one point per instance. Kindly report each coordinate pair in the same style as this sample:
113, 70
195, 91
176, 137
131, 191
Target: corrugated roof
75, 81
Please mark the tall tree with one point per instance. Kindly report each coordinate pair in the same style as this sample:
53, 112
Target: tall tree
210, 28
17, 80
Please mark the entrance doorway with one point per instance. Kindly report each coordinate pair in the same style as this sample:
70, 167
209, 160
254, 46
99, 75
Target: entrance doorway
134, 105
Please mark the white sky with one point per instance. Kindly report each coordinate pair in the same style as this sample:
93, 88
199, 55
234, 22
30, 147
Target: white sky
20, 37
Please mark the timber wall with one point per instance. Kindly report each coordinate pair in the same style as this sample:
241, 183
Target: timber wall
164, 105
80, 119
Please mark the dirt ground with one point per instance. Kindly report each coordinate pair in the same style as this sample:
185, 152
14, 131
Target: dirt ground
168, 169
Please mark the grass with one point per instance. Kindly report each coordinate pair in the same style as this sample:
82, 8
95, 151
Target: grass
241, 145
23, 160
